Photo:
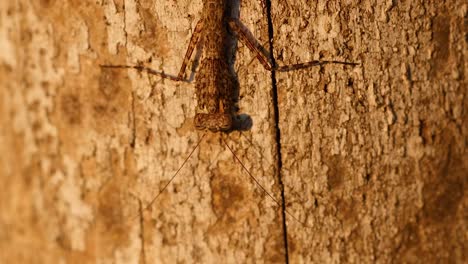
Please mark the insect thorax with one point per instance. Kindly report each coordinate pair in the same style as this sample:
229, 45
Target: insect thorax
214, 89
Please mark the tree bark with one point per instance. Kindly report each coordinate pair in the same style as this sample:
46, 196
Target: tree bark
373, 159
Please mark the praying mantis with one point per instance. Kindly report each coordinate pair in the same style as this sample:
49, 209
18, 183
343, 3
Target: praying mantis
215, 82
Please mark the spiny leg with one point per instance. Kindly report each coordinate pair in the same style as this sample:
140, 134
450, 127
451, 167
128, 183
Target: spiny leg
262, 56
188, 54
192, 44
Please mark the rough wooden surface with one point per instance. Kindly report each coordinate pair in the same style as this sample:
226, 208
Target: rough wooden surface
373, 157
380, 167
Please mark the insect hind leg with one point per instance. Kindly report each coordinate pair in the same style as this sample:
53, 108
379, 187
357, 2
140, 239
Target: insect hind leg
262, 56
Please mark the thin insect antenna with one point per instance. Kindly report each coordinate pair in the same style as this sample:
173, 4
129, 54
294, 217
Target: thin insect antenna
259, 185
173, 176
144, 69
142, 209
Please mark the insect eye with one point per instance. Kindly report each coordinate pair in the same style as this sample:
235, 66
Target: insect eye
213, 122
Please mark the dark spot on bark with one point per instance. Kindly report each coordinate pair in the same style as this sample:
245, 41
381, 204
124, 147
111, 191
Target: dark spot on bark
110, 215
292, 247
336, 173
46, 3
105, 111
34, 106
368, 177
36, 126
445, 187
420, 131
227, 198
63, 240
346, 211
441, 37
42, 51
443, 197
71, 109
99, 109
109, 84
26, 36
152, 37
409, 238
112, 222
119, 6
46, 86
434, 233
466, 26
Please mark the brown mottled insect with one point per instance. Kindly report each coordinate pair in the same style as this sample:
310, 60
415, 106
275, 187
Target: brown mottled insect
215, 82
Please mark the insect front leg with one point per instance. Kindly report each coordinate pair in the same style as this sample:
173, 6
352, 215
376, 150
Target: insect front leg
237, 27
192, 44
194, 40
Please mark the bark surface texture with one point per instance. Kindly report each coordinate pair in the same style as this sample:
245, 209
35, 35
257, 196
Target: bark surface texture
373, 158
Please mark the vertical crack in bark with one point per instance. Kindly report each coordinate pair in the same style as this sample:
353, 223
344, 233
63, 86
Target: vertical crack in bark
125, 25
277, 129
142, 232
133, 117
